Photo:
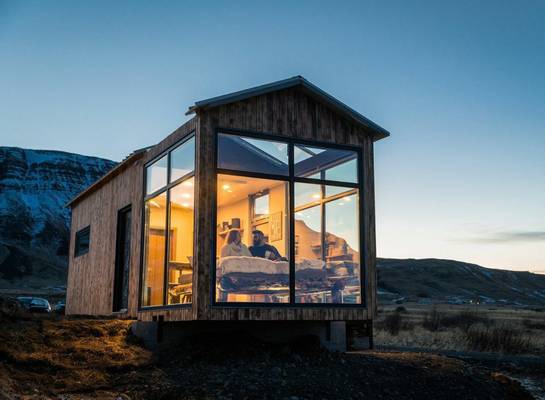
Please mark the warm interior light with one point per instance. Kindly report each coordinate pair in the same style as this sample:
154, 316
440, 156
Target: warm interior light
186, 195
188, 183
346, 198
316, 196
226, 187
154, 204
186, 205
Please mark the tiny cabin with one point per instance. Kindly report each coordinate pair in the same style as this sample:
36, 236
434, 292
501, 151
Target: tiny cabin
258, 210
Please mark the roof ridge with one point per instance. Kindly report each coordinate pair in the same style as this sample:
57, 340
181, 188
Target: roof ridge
285, 84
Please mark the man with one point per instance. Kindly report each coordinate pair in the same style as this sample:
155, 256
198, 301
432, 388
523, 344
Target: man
262, 249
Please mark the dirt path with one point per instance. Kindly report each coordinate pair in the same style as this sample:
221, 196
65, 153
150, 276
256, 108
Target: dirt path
529, 370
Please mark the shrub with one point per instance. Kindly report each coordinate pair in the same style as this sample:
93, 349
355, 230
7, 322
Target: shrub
401, 309
432, 321
393, 323
498, 339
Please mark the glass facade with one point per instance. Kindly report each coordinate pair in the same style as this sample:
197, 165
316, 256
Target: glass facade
256, 220
169, 228
156, 175
330, 164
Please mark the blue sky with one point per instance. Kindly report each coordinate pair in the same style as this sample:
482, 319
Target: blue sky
461, 86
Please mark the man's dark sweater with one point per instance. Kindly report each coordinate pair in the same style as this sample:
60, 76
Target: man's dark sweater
265, 251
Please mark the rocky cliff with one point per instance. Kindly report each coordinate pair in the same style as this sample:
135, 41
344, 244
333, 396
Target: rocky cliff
35, 186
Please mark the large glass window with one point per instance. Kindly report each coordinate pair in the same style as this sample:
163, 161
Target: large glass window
154, 250
169, 228
156, 175
252, 245
329, 164
180, 261
253, 195
252, 155
327, 261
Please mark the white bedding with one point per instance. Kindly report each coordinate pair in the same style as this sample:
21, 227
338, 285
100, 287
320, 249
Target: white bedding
241, 264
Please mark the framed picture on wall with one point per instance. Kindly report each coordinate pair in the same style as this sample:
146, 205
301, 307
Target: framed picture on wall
275, 228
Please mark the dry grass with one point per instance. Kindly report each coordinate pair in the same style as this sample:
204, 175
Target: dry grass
67, 355
446, 327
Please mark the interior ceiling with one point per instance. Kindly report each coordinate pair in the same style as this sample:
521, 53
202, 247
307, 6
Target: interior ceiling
235, 188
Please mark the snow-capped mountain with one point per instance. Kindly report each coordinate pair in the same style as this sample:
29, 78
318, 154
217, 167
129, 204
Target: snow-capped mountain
35, 186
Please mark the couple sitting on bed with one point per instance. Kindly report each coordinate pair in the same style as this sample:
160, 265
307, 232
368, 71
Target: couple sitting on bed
234, 247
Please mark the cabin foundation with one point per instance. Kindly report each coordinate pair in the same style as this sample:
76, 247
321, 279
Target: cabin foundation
330, 335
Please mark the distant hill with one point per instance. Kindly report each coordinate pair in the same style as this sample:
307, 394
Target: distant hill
456, 282
35, 185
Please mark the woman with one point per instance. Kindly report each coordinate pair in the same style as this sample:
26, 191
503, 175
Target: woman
233, 245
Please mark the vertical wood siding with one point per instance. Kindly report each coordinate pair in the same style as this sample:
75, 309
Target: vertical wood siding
91, 276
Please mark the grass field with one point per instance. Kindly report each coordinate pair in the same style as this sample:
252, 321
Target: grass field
462, 328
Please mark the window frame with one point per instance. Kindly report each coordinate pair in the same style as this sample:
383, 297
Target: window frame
83, 231
291, 179
145, 198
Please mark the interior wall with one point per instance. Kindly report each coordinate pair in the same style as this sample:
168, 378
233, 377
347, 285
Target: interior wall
181, 223
242, 209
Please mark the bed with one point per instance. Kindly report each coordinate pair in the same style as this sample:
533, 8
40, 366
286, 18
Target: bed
252, 279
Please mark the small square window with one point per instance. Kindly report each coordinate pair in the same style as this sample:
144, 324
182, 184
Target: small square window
82, 241
261, 205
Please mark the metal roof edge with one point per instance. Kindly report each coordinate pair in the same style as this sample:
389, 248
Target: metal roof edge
108, 174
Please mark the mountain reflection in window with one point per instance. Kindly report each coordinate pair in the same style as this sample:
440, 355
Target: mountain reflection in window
327, 267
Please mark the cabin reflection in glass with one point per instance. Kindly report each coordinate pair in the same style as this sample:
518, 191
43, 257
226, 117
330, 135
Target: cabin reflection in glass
327, 257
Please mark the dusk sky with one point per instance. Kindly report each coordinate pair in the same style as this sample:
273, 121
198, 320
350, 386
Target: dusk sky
460, 85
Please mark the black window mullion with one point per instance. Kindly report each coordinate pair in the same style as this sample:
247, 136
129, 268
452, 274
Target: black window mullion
167, 236
291, 208
361, 223
322, 216
258, 175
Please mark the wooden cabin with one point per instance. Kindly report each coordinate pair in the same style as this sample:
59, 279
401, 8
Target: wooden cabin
259, 208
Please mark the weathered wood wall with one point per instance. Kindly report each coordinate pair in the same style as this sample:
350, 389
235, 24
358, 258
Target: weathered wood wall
91, 276
289, 113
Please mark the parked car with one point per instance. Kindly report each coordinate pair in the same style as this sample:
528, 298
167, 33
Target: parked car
35, 304
24, 302
40, 305
60, 307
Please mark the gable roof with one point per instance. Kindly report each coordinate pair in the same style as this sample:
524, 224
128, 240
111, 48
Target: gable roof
311, 89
